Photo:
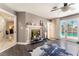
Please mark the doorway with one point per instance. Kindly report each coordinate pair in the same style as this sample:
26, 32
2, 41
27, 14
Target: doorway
7, 30
2, 29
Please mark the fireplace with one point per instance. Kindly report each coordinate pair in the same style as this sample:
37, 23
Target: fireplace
34, 34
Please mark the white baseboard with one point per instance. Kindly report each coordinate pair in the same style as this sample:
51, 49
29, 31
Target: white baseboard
7, 48
22, 43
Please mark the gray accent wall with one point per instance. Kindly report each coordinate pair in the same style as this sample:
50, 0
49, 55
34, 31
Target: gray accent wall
22, 19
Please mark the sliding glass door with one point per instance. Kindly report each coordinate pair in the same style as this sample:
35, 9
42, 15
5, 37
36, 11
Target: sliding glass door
72, 29
63, 29
69, 29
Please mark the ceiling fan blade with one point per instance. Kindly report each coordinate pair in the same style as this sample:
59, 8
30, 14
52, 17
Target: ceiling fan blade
71, 4
55, 9
52, 10
66, 6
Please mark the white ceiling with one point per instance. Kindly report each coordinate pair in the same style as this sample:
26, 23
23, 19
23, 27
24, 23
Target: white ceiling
43, 9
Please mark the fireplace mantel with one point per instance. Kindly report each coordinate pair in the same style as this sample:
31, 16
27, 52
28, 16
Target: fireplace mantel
32, 26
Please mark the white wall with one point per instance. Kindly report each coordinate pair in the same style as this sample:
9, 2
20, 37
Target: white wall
53, 29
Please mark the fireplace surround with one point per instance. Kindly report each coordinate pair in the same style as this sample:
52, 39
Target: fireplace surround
33, 33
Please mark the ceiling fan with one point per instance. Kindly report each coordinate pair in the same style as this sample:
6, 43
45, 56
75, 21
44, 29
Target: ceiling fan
65, 7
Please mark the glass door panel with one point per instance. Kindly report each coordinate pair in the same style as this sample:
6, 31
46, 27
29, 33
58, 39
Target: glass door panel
72, 27
63, 29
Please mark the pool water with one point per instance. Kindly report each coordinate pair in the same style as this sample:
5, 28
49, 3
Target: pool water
70, 34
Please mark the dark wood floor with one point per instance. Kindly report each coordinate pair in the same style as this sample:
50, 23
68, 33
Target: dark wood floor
23, 50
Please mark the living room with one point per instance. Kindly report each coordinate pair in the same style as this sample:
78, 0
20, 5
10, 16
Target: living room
25, 29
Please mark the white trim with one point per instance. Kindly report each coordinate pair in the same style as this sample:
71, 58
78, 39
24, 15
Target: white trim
7, 48
6, 12
15, 25
22, 43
